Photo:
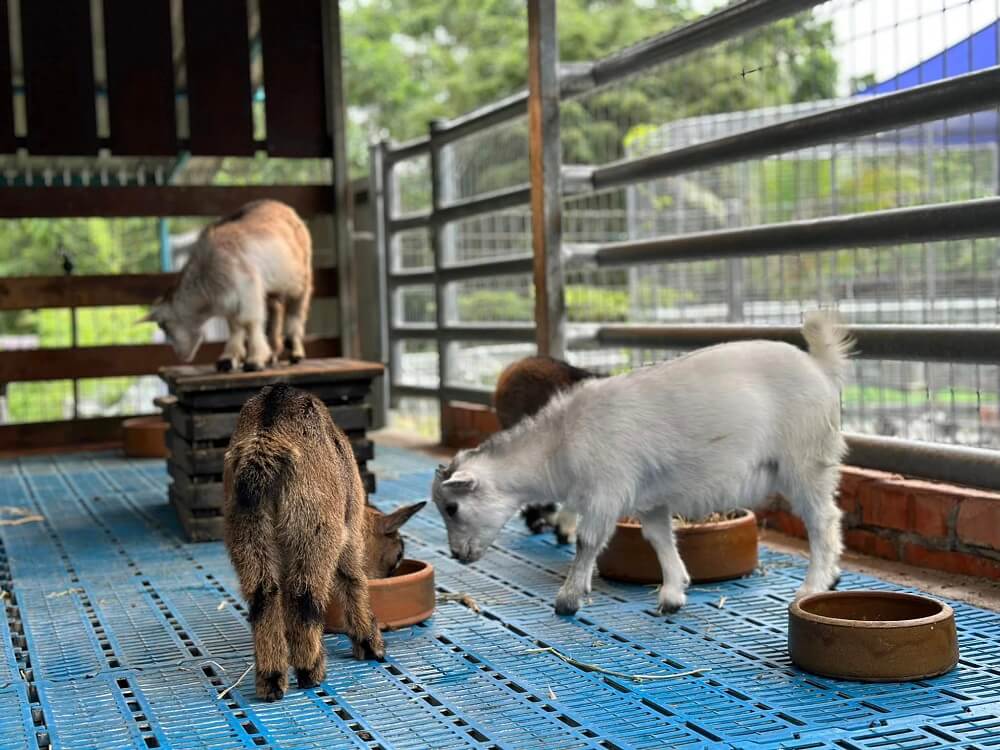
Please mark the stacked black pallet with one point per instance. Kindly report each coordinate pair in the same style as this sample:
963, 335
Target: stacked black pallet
202, 411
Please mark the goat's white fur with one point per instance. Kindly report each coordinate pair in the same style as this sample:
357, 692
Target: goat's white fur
720, 428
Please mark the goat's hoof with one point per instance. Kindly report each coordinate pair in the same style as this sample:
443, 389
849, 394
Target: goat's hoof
252, 367
370, 648
271, 686
836, 583
308, 678
563, 538
564, 607
294, 359
224, 365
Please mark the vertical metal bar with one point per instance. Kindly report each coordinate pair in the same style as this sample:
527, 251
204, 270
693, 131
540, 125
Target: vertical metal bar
379, 197
438, 176
347, 288
545, 156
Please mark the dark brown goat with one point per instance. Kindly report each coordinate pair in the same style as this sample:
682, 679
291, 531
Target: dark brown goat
298, 532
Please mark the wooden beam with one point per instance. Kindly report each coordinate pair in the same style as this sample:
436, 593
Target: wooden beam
344, 210
140, 64
70, 433
545, 162
163, 200
59, 77
29, 365
291, 33
217, 59
37, 292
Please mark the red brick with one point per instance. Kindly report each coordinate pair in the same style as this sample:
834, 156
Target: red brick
871, 544
785, 522
979, 523
902, 505
951, 562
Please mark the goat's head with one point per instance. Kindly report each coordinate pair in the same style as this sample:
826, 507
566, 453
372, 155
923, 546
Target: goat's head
182, 330
384, 545
473, 507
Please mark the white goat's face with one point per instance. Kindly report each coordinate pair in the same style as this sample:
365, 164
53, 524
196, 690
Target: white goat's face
184, 337
473, 511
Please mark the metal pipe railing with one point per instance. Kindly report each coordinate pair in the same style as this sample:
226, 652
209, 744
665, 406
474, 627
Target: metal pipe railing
933, 101
976, 467
509, 332
922, 343
941, 221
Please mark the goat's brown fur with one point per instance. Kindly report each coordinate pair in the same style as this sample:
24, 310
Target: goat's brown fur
527, 385
298, 531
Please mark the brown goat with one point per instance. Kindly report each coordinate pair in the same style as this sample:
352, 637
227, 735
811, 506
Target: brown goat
298, 531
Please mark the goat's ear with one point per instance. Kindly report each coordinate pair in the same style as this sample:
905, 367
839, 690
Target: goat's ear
392, 522
461, 480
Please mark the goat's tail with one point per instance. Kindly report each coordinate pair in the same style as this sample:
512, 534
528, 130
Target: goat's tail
261, 467
829, 344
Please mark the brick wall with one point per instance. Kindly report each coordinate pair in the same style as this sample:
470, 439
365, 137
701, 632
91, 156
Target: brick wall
932, 525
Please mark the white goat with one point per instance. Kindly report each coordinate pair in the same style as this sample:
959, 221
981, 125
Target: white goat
252, 268
720, 428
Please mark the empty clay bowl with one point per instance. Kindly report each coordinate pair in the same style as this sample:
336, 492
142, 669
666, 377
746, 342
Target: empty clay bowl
145, 437
872, 636
405, 598
713, 551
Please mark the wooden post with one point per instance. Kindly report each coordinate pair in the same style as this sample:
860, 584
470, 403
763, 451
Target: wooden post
546, 183
343, 208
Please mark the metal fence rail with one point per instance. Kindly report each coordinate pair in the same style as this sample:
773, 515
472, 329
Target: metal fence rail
965, 219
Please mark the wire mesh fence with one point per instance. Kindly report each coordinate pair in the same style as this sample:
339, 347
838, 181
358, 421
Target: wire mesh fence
840, 52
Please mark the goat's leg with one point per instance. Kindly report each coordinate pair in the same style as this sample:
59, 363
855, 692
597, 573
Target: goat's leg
564, 522
258, 351
351, 589
275, 324
305, 612
252, 549
296, 312
591, 536
658, 530
814, 501
235, 349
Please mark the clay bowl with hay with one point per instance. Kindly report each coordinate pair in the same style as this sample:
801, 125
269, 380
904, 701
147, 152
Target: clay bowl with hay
719, 548
872, 636
145, 437
404, 598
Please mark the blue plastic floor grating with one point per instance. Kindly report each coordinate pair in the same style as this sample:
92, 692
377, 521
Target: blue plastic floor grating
117, 634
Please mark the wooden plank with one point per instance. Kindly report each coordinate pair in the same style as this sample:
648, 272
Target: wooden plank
193, 425
112, 361
153, 200
59, 77
137, 37
15, 438
217, 50
37, 292
294, 87
8, 143
187, 378
335, 393
198, 526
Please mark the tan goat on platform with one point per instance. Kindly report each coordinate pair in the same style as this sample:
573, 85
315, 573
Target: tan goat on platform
253, 268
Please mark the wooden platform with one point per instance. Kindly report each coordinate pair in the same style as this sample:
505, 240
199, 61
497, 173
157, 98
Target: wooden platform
204, 405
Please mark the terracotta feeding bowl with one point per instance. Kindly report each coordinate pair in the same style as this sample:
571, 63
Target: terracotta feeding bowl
405, 598
145, 437
711, 550
872, 636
